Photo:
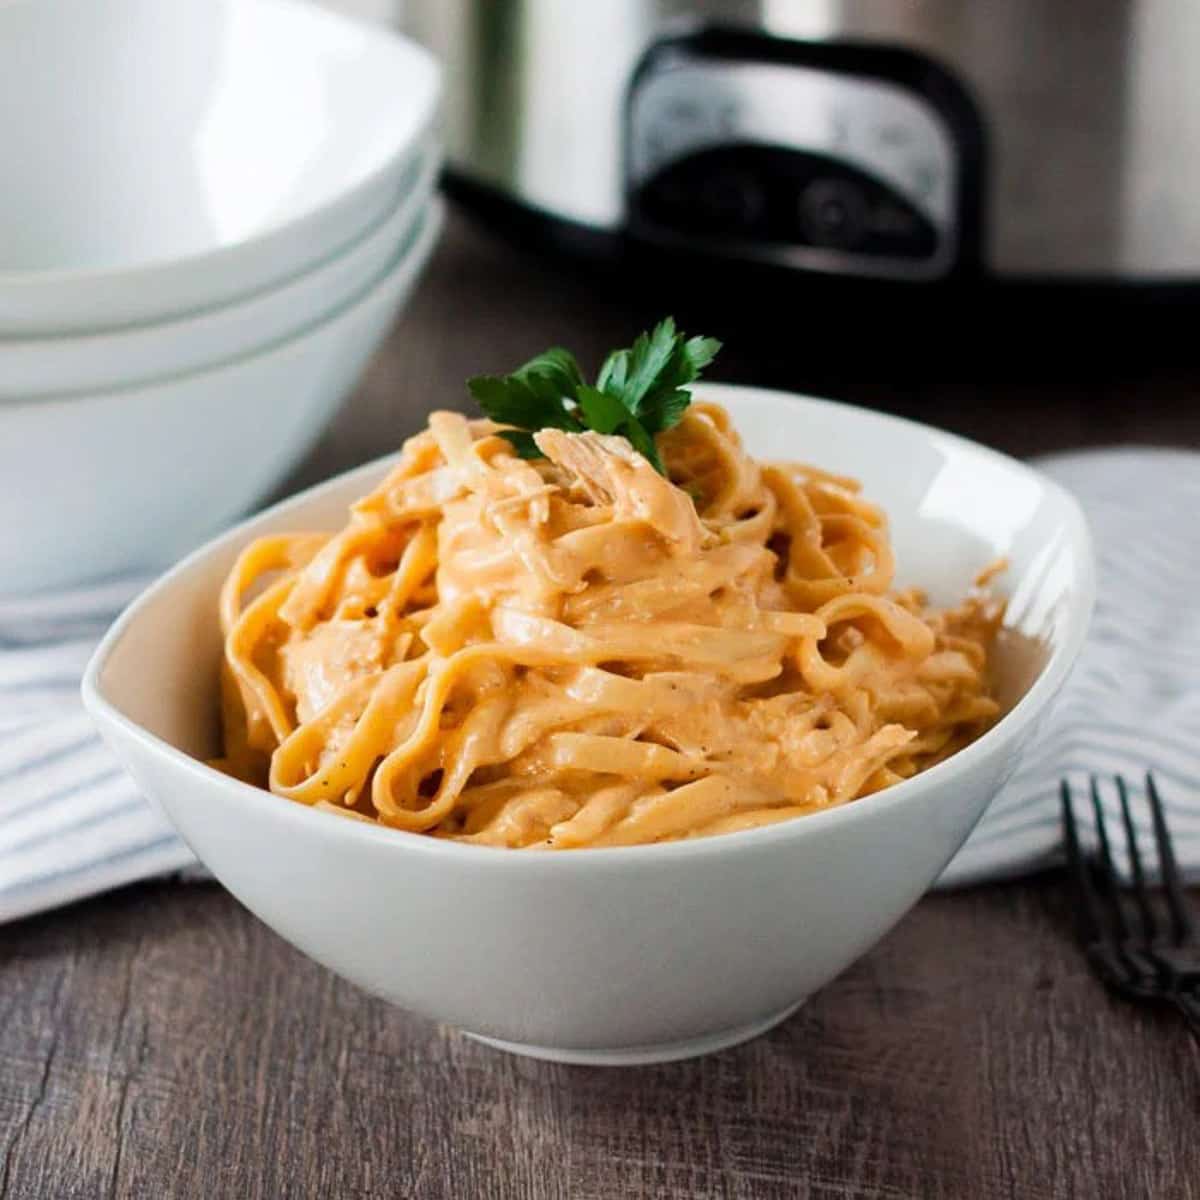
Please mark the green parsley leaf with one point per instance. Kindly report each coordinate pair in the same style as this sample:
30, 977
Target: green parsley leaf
509, 402
522, 442
602, 412
667, 398
639, 392
534, 396
670, 409
700, 352
646, 361
557, 367
611, 379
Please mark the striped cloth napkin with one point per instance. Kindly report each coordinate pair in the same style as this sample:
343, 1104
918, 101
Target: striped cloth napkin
1133, 700
72, 824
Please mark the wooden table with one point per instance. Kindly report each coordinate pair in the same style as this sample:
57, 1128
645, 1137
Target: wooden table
159, 1041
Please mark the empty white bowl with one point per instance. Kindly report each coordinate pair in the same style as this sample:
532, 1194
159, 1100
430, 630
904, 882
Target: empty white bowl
33, 367
92, 485
165, 157
634, 954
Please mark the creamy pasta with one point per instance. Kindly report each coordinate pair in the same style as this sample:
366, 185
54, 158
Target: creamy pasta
576, 651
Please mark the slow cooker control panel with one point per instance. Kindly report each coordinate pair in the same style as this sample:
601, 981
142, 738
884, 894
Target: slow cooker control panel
835, 171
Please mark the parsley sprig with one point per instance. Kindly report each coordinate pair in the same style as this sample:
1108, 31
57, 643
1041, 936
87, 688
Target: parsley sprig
639, 392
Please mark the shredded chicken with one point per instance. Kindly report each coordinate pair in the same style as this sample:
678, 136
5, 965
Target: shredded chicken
611, 472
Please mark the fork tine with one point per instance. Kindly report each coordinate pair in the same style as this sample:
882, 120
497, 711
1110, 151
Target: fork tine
1108, 869
1090, 910
1140, 892
1182, 921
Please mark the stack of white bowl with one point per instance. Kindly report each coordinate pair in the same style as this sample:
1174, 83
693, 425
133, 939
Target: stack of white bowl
212, 211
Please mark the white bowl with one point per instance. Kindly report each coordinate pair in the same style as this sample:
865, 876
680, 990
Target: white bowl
96, 484
633, 954
38, 367
165, 157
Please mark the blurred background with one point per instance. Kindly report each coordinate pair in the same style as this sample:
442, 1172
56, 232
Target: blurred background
982, 216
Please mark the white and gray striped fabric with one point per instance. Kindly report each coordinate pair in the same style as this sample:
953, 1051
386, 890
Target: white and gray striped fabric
1133, 701
72, 824
71, 821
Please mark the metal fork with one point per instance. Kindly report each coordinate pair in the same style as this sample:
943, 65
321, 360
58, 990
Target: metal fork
1146, 958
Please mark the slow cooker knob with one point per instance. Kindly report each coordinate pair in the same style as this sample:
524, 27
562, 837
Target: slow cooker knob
833, 212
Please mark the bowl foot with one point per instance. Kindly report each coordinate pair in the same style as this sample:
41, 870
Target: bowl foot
638, 1056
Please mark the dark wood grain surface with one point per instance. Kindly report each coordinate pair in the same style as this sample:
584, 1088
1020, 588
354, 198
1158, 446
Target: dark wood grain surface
159, 1041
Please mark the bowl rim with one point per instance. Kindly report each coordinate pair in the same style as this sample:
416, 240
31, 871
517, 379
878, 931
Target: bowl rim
143, 272
1080, 603
405, 209
417, 242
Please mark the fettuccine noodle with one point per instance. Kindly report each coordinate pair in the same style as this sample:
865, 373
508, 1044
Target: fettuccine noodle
576, 651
